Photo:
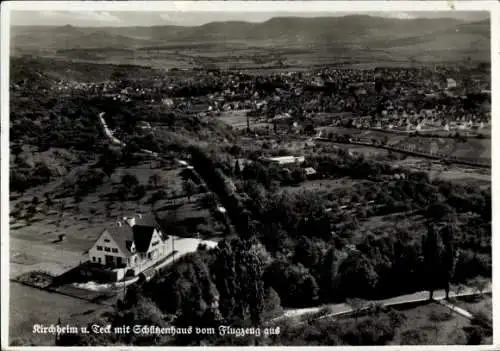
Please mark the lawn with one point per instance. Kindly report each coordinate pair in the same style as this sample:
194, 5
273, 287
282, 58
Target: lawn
322, 185
29, 306
431, 324
234, 118
475, 306
420, 323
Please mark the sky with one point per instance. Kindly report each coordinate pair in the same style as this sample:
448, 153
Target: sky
193, 18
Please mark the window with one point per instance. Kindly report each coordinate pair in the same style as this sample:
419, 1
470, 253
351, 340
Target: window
99, 248
106, 240
107, 249
93, 258
114, 250
155, 243
99, 259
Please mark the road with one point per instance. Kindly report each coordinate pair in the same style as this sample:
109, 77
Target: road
110, 135
343, 308
454, 160
336, 309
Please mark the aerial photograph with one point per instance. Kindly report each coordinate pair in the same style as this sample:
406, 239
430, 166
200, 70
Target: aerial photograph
268, 178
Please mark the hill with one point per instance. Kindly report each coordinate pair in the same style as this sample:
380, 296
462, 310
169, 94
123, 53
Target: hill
321, 33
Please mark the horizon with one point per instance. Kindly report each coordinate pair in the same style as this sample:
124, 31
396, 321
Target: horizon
96, 19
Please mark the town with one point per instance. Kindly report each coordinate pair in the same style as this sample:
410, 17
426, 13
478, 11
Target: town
336, 203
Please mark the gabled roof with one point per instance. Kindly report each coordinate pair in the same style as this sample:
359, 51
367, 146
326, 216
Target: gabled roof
123, 237
140, 234
142, 237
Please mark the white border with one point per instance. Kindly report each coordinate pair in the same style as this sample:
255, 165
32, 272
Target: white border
239, 6
253, 6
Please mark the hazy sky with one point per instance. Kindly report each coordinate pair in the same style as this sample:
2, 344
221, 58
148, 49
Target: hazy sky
192, 18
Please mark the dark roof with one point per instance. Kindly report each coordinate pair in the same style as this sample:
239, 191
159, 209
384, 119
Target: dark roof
142, 237
123, 236
140, 234
147, 220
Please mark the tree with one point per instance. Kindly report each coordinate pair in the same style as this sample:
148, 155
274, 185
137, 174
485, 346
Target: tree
209, 200
157, 196
357, 306
474, 334
35, 201
109, 160
129, 181
238, 269
156, 180
448, 256
439, 211
298, 175
48, 200
62, 207
329, 275
357, 276
30, 212
307, 253
237, 169
431, 250
480, 285
189, 188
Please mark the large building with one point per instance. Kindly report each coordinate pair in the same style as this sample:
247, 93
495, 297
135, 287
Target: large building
130, 247
285, 160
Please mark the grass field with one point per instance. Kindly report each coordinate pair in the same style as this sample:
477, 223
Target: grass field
29, 306
322, 185
34, 244
476, 306
234, 118
434, 324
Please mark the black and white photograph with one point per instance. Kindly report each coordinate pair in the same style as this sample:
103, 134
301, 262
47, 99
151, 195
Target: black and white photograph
247, 173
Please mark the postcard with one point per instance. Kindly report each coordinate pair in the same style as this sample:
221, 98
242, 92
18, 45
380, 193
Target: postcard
248, 173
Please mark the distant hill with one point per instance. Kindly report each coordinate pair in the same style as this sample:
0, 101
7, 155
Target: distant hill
360, 31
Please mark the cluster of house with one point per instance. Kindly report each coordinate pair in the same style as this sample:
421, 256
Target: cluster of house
128, 248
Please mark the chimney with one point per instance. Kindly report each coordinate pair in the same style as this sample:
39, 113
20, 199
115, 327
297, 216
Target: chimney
130, 221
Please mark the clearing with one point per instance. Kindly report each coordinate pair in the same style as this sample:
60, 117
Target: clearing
433, 324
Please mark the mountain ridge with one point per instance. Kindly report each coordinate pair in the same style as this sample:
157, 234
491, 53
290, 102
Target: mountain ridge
320, 33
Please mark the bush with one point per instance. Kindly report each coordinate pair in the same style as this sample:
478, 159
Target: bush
414, 337
440, 316
373, 331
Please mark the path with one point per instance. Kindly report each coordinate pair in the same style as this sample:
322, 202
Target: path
114, 140
457, 309
421, 296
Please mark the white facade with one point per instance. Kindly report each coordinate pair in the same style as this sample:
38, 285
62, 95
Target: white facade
283, 160
158, 249
118, 252
107, 246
